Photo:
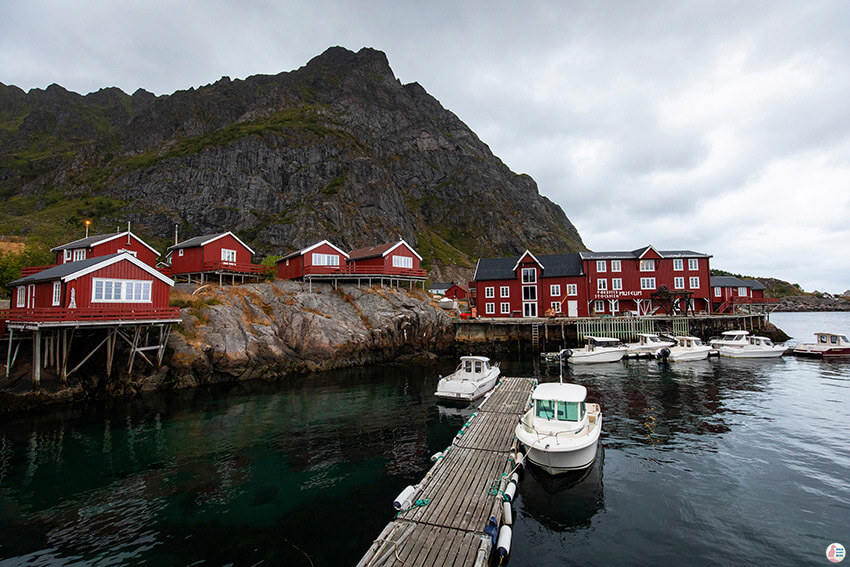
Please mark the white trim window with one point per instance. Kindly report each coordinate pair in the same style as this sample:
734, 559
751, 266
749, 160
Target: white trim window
228, 255
403, 262
616, 266
555, 290
599, 306
742, 291
693, 282
180, 252
602, 285
647, 283
107, 290
325, 259
647, 265
572, 289
66, 256
506, 308
529, 275
490, 308
57, 293
617, 284
601, 266
489, 292
529, 293
678, 264
679, 283
504, 291
556, 306
717, 292
79, 254
693, 264
22, 296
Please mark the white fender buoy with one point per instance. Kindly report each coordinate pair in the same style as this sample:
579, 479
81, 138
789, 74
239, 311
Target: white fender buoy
510, 491
515, 478
520, 461
436, 456
507, 514
405, 498
504, 546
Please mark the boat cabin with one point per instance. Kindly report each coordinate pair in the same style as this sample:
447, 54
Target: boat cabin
760, 341
739, 336
560, 405
651, 339
832, 340
688, 342
472, 367
602, 342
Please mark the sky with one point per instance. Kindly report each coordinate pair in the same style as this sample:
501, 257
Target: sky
720, 127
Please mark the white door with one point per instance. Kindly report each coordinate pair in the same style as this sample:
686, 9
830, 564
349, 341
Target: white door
529, 310
572, 308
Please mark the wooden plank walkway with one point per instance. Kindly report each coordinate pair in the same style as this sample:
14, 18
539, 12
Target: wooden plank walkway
449, 530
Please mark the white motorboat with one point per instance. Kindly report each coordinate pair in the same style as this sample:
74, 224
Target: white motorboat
828, 345
648, 343
598, 349
560, 432
686, 348
756, 347
730, 339
474, 377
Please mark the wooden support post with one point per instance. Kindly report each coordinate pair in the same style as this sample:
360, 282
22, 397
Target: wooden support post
66, 352
133, 348
164, 330
9, 354
36, 358
111, 335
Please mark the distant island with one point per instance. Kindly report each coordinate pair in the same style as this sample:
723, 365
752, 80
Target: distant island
793, 297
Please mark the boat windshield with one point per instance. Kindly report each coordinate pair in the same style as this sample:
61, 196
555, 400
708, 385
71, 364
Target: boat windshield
467, 365
566, 411
697, 342
478, 367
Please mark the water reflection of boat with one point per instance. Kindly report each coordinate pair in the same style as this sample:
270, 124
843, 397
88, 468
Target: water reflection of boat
449, 410
564, 502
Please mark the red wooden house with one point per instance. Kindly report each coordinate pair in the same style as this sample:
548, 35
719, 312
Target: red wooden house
728, 293
319, 259
394, 259
450, 290
204, 257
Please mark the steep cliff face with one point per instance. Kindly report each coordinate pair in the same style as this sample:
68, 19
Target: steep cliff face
338, 149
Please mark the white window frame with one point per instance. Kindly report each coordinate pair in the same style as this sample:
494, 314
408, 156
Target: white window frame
228, 255
693, 282
601, 266
402, 262
504, 291
556, 306
57, 293
693, 264
180, 252
529, 309
532, 288
602, 284
320, 259
617, 284
599, 306
505, 308
647, 283
489, 308
679, 282
718, 292
647, 265
529, 275
125, 290
572, 289
742, 291
555, 290
678, 265
616, 266
66, 255
22, 296
489, 292
79, 254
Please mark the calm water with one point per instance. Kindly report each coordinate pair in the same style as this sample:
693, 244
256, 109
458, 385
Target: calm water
708, 463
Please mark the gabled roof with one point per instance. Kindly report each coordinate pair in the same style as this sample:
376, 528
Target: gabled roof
70, 271
379, 250
755, 284
308, 249
555, 266
206, 239
636, 254
523, 255
732, 281
100, 239
440, 286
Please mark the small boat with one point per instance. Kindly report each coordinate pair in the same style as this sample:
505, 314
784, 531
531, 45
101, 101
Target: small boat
686, 348
447, 303
730, 339
828, 345
756, 347
474, 377
598, 349
648, 343
550, 357
560, 432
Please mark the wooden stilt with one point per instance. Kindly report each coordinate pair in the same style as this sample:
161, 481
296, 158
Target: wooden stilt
9, 354
36, 359
112, 334
133, 348
164, 330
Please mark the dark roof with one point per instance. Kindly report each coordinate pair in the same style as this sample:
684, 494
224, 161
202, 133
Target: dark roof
196, 241
85, 242
634, 254
732, 281
62, 270
554, 266
755, 284
441, 286
370, 251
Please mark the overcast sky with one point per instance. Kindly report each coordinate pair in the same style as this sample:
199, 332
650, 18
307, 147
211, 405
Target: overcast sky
713, 126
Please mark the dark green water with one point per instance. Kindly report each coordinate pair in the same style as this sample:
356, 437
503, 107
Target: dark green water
719, 462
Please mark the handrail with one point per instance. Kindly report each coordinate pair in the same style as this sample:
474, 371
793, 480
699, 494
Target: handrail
60, 314
233, 267
364, 271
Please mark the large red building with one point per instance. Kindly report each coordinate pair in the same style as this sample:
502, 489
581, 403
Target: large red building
212, 256
589, 283
391, 259
103, 245
321, 258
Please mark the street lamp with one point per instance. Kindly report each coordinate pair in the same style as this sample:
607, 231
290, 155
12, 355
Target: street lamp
88, 222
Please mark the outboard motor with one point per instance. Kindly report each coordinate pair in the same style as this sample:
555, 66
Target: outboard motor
663, 355
566, 353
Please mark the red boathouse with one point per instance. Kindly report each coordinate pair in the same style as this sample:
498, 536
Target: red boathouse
105, 244
730, 294
210, 257
319, 259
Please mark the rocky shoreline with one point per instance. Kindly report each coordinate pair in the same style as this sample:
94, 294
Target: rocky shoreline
805, 303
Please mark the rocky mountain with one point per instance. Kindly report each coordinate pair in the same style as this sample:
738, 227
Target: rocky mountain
337, 149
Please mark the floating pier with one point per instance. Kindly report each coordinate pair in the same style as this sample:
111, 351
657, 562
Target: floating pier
444, 523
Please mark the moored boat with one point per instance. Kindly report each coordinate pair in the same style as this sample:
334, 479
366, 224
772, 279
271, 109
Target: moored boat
474, 377
598, 349
828, 345
648, 343
730, 339
756, 347
686, 348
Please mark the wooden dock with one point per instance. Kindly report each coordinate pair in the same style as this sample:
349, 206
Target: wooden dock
461, 491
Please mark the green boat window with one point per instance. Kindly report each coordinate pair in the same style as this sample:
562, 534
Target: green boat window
545, 409
568, 411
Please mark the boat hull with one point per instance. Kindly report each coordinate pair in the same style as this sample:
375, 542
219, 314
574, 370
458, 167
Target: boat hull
564, 456
465, 391
813, 350
607, 355
688, 354
743, 352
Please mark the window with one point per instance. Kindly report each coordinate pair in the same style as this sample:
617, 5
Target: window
325, 259
599, 306
57, 293
529, 310
556, 306
506, 308
678, 283
572, 289
529, 293
504, 291
545, 409
555, 290
529, 275
717, 292
601, 266
647, 265
647, 283
120, 291
678, 264
693, 264
67, 256
617, 284
228, 255
180, 252
601, 285
79, 254
490, 308
403, 262
489, 292
693, 283
616, 266
742, 291
22, 296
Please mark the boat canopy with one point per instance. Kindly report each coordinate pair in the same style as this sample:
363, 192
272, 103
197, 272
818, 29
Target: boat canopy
560, 392
647, 335
831, 338
601, 339
735, 333
476, 358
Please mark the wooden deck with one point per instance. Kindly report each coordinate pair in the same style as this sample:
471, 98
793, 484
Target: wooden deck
460, 489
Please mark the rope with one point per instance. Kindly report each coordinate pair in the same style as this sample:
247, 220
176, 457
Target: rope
417, 504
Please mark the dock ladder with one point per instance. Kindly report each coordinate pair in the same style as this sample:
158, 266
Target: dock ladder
535, 336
